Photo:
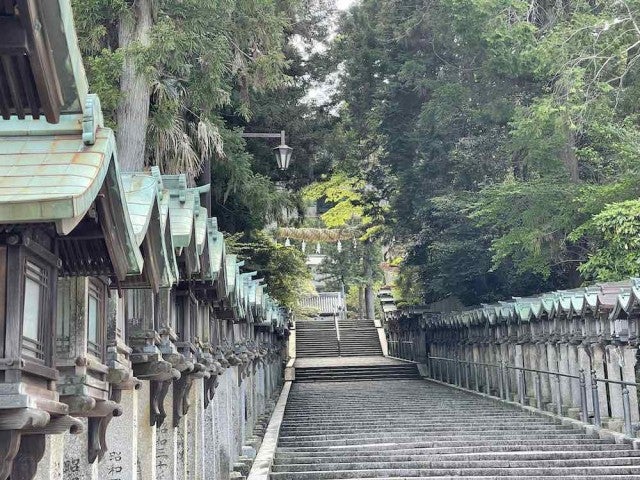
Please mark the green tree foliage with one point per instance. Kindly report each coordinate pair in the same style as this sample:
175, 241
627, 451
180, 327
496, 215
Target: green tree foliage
209, 69
495, 129
342, 193
283, 268
615, 237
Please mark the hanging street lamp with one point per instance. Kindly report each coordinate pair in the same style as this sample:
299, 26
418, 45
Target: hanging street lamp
282, 152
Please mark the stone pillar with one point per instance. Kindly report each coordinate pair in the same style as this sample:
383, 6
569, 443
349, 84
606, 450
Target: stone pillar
584, 363
243, 410
574, 369
167, 442
221, 417
552, 361
235, 426
181, 450
613, 359
146, 435
193, 437
530, 361
50, 467
76, 464
260, 388
565, 382
494, 359
508, 356
543, 364
121, 461
629, 375
209, 445
198, 386
598, 354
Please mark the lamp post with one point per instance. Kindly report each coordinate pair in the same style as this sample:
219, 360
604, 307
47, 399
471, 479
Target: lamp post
282, 151
283, 158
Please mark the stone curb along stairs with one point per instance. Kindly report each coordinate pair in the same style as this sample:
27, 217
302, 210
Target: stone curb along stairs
261, 467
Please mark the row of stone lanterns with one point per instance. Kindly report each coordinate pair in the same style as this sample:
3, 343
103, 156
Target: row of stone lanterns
117, 294
572, 352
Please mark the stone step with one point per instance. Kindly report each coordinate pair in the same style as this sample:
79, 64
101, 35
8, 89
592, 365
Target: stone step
322, 353
360, 352
434, 440
461, 464
610, 473
354, 430
507, 477
325, 333
354, 378
401, 449
390, 412
415, 429
462, 426
542, 472
351, 371
282, 459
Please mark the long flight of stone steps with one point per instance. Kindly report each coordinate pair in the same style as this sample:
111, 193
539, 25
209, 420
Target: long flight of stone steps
319, 338
359, 337
351, 373
415, 429
316, 338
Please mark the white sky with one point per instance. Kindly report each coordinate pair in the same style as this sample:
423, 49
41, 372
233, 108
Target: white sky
344, 4
320, 93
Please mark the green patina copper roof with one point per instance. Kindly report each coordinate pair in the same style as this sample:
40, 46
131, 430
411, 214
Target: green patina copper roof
181, 217
140, 192
134, 255
172, 272
52, 177
611, 299
200, 227
148, 201
231, 269
215, 243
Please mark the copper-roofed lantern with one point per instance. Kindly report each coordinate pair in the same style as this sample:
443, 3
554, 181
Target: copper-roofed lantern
62, 215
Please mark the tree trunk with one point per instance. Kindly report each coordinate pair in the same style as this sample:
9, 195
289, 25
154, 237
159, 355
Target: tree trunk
205, 179
133, 110
370, 302
370, 311
568, 153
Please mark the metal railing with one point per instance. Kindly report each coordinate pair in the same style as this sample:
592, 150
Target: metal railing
402, 348
337, 325
496, 380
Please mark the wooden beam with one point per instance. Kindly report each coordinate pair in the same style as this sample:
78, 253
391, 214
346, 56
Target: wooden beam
41, 60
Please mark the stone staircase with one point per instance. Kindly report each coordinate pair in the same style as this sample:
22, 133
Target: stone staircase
316, 338
350, 373
414, 429
359, 337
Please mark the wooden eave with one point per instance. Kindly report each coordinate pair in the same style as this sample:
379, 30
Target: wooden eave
103, 243
41, 70
29, 83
